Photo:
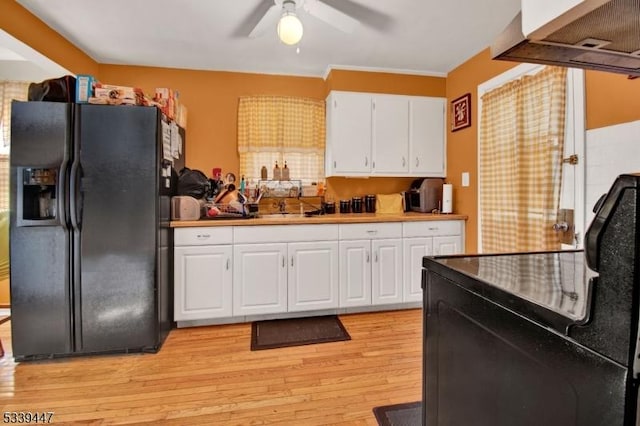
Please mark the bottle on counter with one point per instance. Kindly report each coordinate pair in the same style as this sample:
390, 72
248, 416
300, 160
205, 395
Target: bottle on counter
242, 185
285, 172
263, 173
277, 174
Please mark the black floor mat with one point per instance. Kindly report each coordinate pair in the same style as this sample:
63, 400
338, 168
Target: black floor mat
407, 414
296, 332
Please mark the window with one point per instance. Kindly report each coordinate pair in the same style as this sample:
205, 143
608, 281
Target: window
522, 134
276, 128
9, 90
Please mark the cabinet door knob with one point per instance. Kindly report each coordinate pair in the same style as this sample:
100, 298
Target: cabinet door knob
228, 263
283, 264
368, 259
404, 162
334, 165
366, 161
417, 161
292, 261
375, 257
203, 236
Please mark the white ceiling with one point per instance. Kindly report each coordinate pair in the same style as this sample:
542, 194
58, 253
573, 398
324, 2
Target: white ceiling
19, 62
416, 36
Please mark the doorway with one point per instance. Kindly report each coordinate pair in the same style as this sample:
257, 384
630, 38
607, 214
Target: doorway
572, 184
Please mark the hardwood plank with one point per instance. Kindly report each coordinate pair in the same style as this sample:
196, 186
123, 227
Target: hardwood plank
208, 375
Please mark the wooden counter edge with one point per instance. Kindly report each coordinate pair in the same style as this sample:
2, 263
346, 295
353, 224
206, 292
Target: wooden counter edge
325, 219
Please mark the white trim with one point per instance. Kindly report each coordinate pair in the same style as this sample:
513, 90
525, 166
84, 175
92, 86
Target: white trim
576, 127
331, 67
575, 105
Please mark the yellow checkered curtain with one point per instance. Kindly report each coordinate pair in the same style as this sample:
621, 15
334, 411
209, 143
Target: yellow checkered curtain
10, 90
521, 145
278, 128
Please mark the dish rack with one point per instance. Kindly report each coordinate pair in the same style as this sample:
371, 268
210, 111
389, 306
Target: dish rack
233, 210
280, 188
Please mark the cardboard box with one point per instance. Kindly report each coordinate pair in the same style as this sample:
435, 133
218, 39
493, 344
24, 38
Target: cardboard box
84, 88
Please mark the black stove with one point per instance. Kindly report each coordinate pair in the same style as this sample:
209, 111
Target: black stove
538, 338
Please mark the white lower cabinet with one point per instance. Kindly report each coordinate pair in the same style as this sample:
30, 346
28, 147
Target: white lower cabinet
202, 273
433, 238
313, 276
414, 250
259, 278
203, 283
355, 273
370, 264
225, 272
447, 245
271, 278
386, 277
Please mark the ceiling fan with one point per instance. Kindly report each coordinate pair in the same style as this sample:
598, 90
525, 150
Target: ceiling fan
282, 15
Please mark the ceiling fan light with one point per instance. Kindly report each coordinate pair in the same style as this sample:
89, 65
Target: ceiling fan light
290, 29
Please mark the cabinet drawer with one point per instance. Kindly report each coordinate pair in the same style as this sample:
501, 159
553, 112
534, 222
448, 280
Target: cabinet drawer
284, 233
370, 231
432, 228
203, 236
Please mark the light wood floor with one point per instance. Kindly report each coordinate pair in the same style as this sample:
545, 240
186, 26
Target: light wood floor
208, 375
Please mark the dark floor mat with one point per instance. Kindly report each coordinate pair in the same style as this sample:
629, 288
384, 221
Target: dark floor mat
296, 332
407, 414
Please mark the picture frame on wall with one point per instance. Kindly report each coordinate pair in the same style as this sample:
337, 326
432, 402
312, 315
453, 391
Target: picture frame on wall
461, 112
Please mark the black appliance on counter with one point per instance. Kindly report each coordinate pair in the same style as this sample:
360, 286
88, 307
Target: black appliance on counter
538, 338
90, 242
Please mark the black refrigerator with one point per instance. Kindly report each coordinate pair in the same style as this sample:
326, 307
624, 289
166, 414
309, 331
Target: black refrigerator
90, 242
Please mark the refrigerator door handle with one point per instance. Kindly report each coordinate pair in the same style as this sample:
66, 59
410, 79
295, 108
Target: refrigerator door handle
74, 196
63, 184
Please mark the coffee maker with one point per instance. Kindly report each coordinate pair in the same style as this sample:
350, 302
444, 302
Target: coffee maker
424, 195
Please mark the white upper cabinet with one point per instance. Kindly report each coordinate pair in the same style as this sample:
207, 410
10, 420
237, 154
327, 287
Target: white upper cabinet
385, 135
427, 155
348, 149
390, 135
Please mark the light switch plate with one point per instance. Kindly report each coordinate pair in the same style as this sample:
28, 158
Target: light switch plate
465, 178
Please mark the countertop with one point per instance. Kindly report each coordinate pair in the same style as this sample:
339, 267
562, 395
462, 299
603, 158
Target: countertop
296, 219
550, 287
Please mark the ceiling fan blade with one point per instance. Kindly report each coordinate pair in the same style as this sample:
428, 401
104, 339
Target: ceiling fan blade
267, 22
368, 16
331, 16
252, 19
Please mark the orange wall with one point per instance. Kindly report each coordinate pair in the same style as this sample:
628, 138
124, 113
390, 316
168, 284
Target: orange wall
21, 24
610, 99
462, 146
211, 98
379, 82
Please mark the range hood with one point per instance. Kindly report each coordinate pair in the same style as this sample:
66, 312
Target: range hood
605, 37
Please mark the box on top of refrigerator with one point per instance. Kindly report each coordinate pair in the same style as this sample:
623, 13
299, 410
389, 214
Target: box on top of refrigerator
84, 88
